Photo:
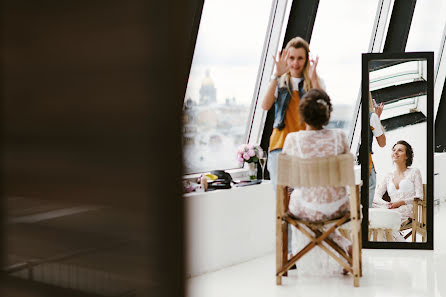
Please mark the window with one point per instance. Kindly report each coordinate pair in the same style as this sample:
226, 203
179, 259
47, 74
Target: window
222, 81
427, 27
426, 34
341, 33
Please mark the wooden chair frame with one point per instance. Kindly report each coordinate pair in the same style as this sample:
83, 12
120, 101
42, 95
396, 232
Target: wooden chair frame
385, 232
328, 171
417, 223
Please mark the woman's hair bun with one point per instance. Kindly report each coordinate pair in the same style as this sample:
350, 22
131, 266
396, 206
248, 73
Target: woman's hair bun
315, 108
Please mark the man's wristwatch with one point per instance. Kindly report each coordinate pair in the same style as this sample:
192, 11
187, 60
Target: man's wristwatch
275, 77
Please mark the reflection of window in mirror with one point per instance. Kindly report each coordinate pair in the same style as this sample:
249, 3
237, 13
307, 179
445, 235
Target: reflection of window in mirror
401, 86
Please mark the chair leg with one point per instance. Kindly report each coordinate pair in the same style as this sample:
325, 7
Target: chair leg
285, 259
415, 222
356, 254
360, 252
278, 280
389, 234
408, 234
279, 250
414, 230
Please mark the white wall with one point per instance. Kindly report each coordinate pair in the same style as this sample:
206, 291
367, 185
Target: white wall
440, 176
416, 136
227, 227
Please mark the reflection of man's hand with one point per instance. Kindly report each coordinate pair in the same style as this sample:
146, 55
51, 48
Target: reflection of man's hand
379, 109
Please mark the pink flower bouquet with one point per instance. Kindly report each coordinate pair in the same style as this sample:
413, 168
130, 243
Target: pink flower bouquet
249, 153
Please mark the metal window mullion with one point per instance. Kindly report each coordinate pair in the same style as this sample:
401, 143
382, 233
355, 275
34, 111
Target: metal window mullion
257, 115
381, 25
301, 20
399, 26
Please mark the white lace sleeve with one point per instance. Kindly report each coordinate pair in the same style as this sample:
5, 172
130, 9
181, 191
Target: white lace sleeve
379, 192
415, 178
344, 142
289, 146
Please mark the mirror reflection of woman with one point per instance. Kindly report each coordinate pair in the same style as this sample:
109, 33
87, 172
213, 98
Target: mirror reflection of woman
402, 185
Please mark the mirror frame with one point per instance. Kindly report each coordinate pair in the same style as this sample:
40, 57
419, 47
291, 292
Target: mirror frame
364, 150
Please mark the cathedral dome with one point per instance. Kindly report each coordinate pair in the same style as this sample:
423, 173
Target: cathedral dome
208, 92
207, 81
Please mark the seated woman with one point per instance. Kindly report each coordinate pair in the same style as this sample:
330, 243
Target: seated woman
402, 185
317, 203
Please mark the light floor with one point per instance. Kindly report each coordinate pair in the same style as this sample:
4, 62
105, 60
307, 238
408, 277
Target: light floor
408, 273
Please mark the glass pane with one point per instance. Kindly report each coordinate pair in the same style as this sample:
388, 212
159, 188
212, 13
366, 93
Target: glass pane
427, 27
221, 82
341, 33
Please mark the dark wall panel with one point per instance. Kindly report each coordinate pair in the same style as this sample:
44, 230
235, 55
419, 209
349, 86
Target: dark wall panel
91, 146
440, 123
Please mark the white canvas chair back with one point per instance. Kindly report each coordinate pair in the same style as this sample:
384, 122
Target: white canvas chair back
325, 171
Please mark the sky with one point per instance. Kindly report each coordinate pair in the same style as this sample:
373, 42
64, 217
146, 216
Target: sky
229, 44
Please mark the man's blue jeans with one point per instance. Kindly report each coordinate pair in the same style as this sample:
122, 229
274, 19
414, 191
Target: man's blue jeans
372, 185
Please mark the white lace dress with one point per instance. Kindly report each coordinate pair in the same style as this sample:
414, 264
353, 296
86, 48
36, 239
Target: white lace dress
317, 203
410, 186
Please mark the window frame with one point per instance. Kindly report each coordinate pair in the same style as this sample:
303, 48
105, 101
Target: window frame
274, 37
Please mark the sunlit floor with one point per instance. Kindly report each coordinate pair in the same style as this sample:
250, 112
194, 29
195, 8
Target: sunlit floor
408, 273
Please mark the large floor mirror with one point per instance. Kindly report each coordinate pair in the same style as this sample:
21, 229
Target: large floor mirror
397, 150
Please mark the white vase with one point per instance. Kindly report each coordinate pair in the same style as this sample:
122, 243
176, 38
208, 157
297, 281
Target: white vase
252, 170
